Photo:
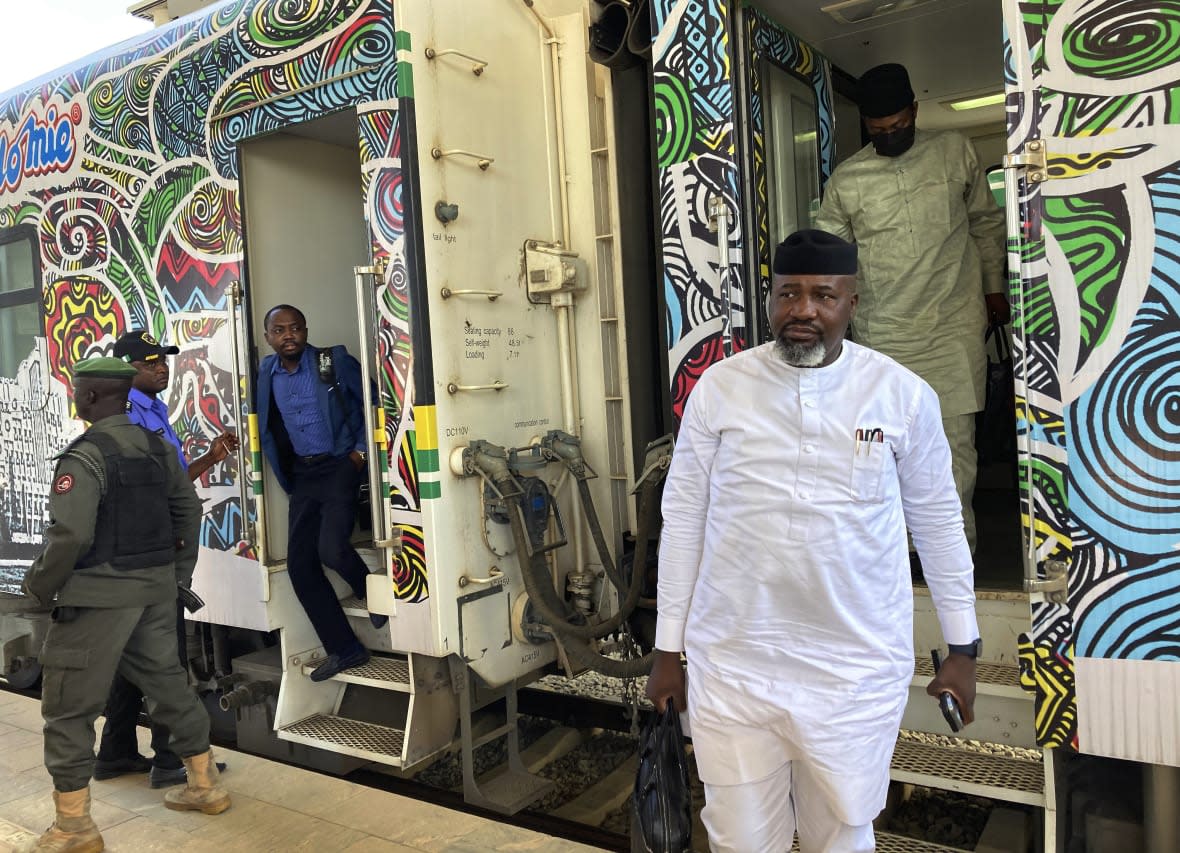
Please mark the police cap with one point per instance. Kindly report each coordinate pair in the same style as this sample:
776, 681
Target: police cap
103, 367
139, 345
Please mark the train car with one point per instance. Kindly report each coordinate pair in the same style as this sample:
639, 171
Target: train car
536, 222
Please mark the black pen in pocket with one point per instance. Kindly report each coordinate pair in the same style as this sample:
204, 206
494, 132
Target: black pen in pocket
946, 702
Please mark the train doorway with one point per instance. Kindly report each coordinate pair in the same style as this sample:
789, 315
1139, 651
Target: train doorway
304, 233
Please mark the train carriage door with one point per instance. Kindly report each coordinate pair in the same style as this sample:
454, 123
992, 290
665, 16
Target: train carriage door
787, 145
1093, 200
305, 233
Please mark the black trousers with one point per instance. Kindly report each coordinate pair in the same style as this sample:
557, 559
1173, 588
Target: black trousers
122, 713
322, 512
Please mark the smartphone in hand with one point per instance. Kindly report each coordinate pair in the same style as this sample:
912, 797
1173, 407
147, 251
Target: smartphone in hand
946, 702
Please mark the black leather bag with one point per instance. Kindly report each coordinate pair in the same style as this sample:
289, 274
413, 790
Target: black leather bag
662, 800
995, 426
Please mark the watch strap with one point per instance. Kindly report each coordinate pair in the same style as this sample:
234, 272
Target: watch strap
971, 650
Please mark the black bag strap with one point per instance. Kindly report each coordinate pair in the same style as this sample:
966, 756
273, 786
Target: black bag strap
995, 335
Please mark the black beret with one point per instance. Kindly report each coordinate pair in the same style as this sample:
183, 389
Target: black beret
813, 252
884, 90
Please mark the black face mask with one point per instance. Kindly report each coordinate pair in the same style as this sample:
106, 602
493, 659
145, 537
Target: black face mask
895, 142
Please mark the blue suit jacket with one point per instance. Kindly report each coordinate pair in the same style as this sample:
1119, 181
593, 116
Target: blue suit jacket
341, 403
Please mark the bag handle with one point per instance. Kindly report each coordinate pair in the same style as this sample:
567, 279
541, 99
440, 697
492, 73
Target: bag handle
995, 334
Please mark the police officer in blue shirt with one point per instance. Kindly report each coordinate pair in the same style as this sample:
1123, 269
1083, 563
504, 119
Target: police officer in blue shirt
311, 426
118, 751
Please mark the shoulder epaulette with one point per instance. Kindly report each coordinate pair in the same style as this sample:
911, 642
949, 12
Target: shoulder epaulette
67, 448
96, 468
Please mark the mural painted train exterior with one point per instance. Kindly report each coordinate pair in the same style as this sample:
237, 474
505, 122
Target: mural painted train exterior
436, 185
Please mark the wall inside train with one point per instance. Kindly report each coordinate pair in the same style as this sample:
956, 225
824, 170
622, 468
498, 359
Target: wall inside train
697, 157
137, 212
1099, 333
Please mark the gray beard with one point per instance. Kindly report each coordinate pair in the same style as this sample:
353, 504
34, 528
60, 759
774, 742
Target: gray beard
801, 355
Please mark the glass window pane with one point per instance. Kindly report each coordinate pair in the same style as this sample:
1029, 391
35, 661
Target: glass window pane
20, 319
16, 266
847, 127
20, 325
792, 151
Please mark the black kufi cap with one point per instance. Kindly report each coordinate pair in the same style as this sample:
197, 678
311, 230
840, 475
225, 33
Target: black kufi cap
813, 252
884, 90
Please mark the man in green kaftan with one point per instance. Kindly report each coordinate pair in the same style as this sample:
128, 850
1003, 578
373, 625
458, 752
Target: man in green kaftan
931, 243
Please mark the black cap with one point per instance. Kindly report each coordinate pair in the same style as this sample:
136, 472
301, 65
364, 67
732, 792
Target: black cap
814, 252
141, 346
884, 90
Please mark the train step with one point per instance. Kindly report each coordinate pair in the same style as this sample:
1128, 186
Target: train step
507, 790
384, 673
887, 842
953, 768
991, 679
372, 742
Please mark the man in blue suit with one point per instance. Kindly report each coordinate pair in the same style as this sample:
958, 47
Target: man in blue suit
311, 419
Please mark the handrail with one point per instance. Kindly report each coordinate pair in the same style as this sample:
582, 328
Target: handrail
377, 497
719, 222
477, 65
250, 532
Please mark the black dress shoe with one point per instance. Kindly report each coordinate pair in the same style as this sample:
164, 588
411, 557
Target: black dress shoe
336, 664
114, 767
167, 777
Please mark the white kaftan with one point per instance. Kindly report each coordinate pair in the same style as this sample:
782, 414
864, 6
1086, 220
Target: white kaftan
784, 570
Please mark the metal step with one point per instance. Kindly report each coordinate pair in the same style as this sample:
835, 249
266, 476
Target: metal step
380, 672
1012, 780
508, 791
369, 741
991, 679
887, 842
353, 606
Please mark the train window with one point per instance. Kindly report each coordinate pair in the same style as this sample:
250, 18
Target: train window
20, 314
792, 150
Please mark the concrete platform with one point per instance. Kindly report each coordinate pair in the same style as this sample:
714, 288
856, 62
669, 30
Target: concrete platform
275, 808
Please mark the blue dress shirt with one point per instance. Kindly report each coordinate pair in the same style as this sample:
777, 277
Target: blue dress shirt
151, 413
296, 398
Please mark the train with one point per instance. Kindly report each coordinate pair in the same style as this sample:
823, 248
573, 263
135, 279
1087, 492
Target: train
536, 223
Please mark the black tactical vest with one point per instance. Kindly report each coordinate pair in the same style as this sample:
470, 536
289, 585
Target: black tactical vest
133, 529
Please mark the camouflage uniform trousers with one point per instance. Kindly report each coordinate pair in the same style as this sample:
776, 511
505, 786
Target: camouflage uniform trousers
83, 650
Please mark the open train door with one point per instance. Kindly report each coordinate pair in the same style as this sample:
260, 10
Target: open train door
1093, 200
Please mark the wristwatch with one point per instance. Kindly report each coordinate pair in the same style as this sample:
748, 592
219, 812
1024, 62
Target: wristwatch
362, 454
971, 649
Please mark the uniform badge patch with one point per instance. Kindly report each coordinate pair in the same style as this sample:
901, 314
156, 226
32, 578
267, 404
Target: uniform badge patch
63, 484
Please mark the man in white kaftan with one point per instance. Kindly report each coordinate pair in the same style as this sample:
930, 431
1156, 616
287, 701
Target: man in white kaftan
784, 570
931, 249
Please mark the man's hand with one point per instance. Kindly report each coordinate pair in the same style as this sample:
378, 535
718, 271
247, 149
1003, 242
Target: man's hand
223, 446
357, 460
667, 681
956, 677
998, 310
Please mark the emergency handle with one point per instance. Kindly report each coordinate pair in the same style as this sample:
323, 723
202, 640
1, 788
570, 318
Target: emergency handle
366, 315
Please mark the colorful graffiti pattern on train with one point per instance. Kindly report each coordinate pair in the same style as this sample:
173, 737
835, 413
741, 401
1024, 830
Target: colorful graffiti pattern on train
697, 160
1101, 411
769, 41
129, 177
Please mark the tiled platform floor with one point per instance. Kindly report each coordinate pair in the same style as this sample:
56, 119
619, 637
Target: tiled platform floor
275, 808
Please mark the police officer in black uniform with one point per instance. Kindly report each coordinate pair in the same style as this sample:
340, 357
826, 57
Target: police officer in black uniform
123, 529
